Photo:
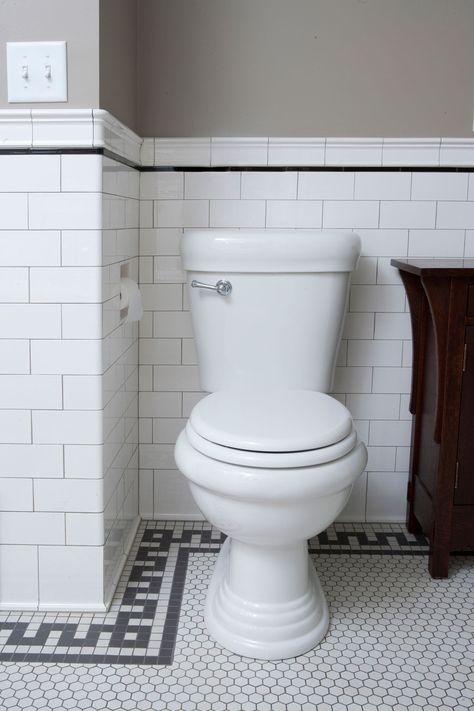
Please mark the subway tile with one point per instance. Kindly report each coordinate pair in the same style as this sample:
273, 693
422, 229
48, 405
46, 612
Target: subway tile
359, 325
181, 213
15, 426
391, 380
147, 151
365, 272
189, 354
176, 378
377, 298
455, 215
14, 211
405, 413
81, 495
296, 151
74, 357
82, 392
32, 248
66, 284
402, 460
81, 321
84, 461
14, 356
160, 351
25, 392
145, 489
81, 173
19, 579
173, 496
16, 494
71, 576
189, 400
145, 430
31, 527
395, 433
172, 324
85, 529
239, 151
162, 297
269, 186
354, 510
381, 459
65, 211
161, 185
145, 270
406, 214
352, 380
167, 429
67, 427
146, 213
160, 404
326, 185
237, 213
29, 173
384, 243
391, 325
439, 186
407, 359
168, 270
294, 213
373, 407
374, 353
386, 496
436, 243
158, 456
145, 374
386, 273
382, 186
351, 214
81, 248
212, 186
160, 241
146, 325
31, 460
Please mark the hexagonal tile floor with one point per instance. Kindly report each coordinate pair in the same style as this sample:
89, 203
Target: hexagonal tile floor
398, 640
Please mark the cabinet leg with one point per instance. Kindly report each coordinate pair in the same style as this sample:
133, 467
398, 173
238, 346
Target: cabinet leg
438, 563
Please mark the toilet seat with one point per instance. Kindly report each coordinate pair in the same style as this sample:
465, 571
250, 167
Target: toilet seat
271, 429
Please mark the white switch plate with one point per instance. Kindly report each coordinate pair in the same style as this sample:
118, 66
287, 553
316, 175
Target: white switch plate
36, 71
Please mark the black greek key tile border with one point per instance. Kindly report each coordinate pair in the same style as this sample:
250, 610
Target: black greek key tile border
142, 624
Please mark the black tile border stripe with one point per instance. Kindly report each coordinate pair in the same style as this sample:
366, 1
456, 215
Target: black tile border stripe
141, 596
239, 168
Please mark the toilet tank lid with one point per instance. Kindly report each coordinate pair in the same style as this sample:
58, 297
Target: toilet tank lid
269, 250
271, 420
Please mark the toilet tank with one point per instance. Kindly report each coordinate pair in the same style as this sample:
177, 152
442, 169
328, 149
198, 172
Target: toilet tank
281, 324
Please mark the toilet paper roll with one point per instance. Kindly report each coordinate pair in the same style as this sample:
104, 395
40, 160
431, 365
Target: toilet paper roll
130, 300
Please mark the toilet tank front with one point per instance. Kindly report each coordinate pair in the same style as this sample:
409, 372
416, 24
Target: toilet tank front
281, 324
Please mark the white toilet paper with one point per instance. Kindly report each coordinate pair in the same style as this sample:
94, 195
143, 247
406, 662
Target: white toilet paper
130, 299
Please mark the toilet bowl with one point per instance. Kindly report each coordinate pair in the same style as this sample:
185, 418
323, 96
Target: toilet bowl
270, 469
270, 458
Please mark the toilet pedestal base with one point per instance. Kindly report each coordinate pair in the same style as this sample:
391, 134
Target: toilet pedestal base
266, 602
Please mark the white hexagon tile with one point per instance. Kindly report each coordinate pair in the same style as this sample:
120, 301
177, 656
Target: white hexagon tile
398, 640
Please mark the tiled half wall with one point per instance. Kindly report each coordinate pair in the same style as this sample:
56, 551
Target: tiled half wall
396, 213
68, 379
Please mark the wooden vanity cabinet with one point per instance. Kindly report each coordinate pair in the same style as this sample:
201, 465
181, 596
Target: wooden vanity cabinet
441, 482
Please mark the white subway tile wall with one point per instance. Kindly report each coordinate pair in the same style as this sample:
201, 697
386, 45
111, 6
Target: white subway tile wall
396, 214
68, 378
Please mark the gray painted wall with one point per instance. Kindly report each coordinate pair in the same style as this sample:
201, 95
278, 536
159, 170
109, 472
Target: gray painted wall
305, 67
118, 59
42, 20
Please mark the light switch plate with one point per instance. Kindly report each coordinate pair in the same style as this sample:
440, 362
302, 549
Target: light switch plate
36, 71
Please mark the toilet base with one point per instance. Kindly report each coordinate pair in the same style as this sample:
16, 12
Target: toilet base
262, 629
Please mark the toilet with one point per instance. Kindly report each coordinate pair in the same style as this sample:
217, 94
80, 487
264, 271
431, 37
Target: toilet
270, 458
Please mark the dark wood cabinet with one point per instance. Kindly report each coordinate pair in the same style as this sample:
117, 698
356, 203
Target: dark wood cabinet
441, 483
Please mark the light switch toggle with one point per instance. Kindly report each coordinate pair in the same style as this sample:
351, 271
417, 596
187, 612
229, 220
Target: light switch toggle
24, 71
47, 71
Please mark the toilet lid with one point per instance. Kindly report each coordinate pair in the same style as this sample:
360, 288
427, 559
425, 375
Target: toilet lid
271, 420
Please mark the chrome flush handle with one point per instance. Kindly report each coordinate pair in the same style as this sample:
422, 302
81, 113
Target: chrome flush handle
223, 288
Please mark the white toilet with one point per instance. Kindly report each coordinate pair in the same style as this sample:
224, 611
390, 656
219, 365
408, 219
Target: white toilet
270, 458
